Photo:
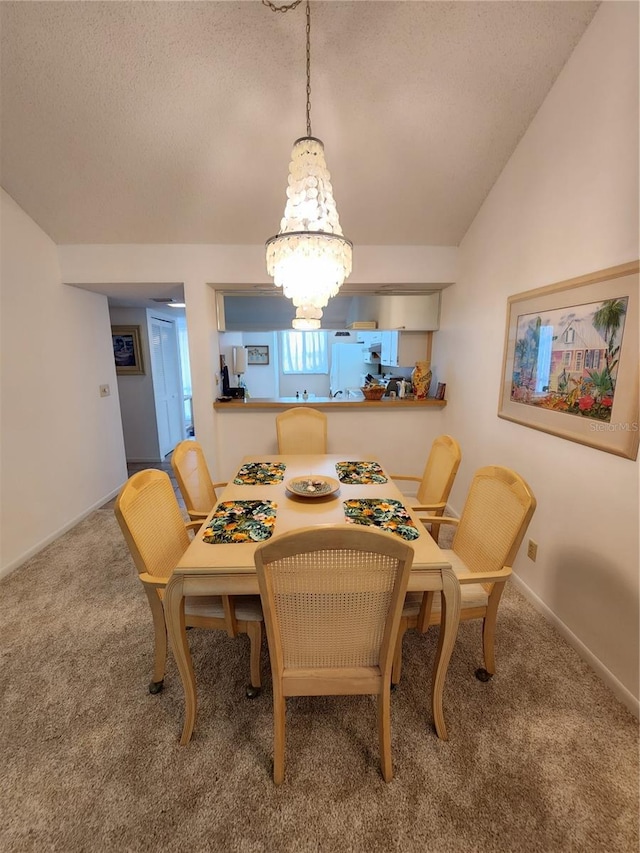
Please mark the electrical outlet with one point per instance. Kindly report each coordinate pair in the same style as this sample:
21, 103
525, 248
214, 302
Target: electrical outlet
532, 550
105, 391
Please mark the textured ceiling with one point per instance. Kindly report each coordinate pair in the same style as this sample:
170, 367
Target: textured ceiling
173, 122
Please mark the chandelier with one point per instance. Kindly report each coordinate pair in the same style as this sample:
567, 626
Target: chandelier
309, 258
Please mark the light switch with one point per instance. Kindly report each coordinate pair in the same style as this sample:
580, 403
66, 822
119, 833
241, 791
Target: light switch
105, 391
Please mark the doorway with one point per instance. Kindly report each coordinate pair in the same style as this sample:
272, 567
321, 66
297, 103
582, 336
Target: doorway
152, 403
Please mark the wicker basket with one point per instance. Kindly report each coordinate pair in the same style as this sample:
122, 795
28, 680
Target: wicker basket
373, 392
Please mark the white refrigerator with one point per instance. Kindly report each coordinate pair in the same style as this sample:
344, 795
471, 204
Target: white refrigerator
348, 368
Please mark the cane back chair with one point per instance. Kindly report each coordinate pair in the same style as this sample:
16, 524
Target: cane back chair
494, 520
157, 536
332, 599
301, 430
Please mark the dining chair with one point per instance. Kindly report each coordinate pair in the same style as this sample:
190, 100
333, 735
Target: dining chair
157, 536
193, 478
301, 430
437, 479
494, 520
332, 599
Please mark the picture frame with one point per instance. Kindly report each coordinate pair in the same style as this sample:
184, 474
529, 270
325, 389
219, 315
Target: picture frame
257, 354
127, 351
570, 363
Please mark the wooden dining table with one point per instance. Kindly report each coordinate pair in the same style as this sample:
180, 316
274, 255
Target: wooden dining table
227, 567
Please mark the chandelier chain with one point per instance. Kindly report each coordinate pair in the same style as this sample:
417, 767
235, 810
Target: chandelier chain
282, 8
309, 258
309, 70
288, 8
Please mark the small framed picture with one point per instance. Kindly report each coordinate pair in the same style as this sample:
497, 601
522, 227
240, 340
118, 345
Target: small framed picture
440, 390
257, 354
127, 351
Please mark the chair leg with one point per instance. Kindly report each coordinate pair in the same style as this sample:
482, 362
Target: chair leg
160, 640
434, 529
425, 612
384, 733
254, 630
489, 634
279, 710
396, 670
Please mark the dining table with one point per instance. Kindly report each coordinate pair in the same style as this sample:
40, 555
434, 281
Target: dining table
274, 494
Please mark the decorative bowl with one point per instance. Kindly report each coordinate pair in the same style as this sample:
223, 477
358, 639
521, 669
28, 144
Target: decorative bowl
313, 486
373, 392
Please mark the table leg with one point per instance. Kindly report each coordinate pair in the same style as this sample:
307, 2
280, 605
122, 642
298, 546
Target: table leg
450, 618
174, 615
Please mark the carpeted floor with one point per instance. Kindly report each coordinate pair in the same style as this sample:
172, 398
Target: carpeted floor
543, 758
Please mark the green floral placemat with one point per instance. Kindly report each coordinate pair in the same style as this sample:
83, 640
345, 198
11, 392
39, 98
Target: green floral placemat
360, 473
386, 514
260, 474
241, 521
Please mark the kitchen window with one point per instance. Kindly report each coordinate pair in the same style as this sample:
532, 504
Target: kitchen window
304, 352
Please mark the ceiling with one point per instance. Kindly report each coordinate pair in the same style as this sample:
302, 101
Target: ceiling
173, 122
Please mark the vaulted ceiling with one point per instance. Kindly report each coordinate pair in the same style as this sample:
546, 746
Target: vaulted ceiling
173, 122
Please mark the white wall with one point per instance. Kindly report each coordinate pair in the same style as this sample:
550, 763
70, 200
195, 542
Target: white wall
400, 440
62, 452
261, 380
566, 204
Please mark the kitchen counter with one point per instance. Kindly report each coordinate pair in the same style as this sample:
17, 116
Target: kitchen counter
397, 404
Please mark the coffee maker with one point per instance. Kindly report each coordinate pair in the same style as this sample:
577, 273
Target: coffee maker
227, 390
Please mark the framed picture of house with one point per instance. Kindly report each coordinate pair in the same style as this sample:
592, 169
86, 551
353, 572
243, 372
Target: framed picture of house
257, 354
570, 365
127, 351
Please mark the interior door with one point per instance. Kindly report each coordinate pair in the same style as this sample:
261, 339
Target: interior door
167, 383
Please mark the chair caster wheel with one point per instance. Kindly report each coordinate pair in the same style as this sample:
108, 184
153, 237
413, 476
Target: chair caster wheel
483, 675
251, 692
155, 686
394, 687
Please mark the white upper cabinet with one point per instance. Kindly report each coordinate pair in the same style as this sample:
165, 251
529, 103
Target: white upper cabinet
403, 349
409, 313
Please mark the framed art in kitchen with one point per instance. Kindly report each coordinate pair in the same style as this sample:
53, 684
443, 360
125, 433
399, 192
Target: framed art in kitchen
127, 351
257, 354
570, 365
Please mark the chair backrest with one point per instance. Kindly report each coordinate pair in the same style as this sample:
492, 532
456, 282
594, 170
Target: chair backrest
495, 518
192, 474
152, 523
302, 430
440, 471
332, 597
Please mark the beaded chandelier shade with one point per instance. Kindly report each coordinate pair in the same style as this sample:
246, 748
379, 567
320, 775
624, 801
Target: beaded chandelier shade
309, 258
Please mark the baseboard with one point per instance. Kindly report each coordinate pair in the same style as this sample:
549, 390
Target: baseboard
617, 687
625, 696
15, 564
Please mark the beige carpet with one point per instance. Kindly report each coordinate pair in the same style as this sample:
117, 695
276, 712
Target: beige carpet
543, 758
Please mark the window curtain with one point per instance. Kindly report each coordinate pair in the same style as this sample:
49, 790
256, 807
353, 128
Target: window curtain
304, 352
